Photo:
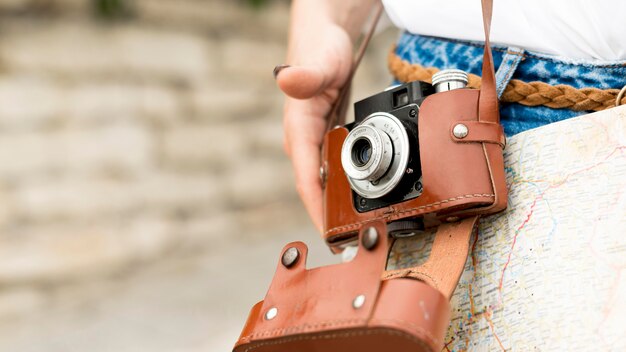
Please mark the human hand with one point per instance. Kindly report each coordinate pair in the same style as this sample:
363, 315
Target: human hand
318, 70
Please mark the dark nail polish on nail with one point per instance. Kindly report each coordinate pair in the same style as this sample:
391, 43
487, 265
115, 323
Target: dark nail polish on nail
279, 68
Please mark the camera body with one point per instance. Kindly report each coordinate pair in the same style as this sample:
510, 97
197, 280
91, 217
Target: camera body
416, 154
380, 155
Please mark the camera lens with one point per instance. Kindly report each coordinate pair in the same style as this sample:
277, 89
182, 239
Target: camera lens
366, 153
375, 154
361, 152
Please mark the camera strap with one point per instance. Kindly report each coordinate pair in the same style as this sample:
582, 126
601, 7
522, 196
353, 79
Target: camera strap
337, 113
449, 253
444, 266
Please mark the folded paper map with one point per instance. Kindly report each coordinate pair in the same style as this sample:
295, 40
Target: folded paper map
549, 273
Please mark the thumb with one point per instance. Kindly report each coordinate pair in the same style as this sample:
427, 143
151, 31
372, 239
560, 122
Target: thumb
302, 82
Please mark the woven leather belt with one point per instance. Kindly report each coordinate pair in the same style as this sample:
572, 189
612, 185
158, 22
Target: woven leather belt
560, 96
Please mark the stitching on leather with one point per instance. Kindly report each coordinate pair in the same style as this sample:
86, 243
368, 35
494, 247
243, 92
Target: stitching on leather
386, 216
499, 143
303, 327
485, 209
407, 273
343, 334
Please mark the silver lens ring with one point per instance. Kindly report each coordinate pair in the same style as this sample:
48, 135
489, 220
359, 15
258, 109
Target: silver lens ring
389, 125
366, 153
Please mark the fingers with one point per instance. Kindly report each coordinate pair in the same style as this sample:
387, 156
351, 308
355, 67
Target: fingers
306, 159
302, 82
304, 133
312, 86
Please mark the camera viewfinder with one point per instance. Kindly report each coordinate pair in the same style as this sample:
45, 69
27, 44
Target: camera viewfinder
400, 98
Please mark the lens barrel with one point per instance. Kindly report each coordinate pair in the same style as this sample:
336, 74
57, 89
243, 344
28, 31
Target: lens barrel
366, 154
375, 154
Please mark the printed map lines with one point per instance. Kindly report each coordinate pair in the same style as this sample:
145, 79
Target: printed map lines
517, 231
473, 315
493, 329
617, 268
581, 162
557, 184
486, 314
448, 344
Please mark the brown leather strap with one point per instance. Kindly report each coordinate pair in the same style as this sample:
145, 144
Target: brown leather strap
447, 257
488, 100
480, 132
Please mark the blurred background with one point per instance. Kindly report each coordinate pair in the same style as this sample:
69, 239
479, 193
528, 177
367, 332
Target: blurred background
145, 195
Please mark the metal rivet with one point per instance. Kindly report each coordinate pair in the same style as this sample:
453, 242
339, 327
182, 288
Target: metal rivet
358, 301
370, 238
323, 175
460, 131
452, 219
290, 257
271, 313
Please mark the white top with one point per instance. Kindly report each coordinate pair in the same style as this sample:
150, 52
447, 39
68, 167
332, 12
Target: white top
592, 29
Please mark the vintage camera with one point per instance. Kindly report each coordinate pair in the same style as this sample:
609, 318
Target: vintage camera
380, 155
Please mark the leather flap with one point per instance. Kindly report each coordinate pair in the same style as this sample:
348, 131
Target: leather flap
480, 132
308, 300
409, 316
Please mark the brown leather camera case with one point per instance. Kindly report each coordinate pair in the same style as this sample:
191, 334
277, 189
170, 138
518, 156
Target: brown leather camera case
358, 306
316, 309
460, 176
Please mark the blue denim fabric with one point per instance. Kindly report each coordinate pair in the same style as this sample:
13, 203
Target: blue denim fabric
513, 63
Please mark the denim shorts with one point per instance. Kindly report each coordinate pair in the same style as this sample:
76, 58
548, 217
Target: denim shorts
515, 63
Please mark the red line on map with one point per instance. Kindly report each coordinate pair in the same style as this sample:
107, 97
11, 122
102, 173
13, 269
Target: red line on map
493, 331
448, 344
486, 314
508, 260
539, 197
